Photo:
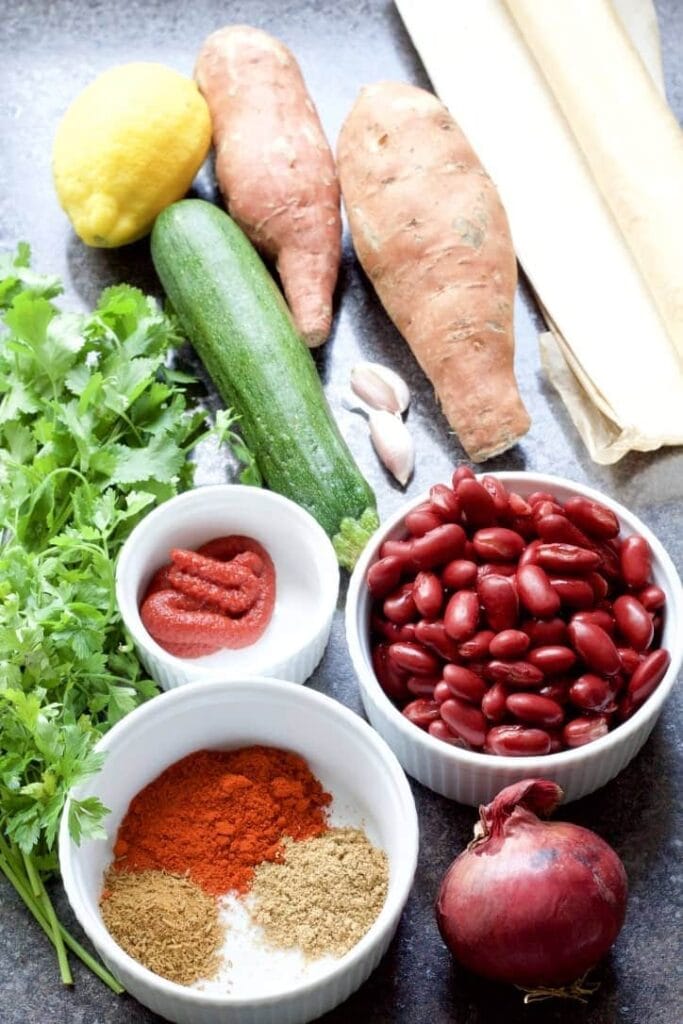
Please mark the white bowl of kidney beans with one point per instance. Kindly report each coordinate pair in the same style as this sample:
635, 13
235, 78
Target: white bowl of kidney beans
515, 624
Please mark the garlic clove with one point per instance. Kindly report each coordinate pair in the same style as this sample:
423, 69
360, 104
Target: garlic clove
393, 444
380, 387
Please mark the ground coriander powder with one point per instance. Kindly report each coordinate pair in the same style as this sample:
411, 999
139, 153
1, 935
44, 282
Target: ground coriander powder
165, 922
324, 895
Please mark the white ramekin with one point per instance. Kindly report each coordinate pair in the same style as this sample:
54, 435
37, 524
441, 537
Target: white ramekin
342, 751
474, 778
307, 581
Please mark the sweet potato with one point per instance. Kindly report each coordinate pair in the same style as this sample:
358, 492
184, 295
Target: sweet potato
274, 166
432, 236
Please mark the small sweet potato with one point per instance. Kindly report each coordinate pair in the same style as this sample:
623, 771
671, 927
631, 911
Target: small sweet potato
274, 166
432, 236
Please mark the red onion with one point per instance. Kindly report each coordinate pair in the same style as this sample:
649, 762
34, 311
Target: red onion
530, 902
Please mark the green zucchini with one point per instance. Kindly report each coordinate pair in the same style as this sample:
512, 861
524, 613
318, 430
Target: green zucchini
237, 320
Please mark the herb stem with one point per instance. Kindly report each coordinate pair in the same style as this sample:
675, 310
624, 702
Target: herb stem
24, 892
40, 891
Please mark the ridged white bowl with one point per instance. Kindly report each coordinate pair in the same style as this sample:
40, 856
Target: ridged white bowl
340, 748
307, 581
474, 778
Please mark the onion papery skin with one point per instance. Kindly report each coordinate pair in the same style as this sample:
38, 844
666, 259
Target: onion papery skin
532, 903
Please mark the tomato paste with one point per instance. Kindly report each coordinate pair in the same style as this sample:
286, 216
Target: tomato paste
220, 596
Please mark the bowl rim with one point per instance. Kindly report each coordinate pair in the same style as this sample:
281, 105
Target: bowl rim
536, 764
86, 911
325, 559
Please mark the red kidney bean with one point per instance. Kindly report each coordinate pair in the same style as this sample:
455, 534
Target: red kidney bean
498, 597
476, 503
574, 593
566, 558
636, 561
553, 660
422, 686
422, 712
498, 492
437, 546
652, 597
414, 658
496, 569
459, 574
442, 692
595, 647
401, 549
625, 708
538, 496
464, 720
434, 636
633, 622
599, 584
498, 544
444, 502
389, 678
510, 643
630, 659
556, 529
464, 683
493, 703
648, 675
517, 741
390, 631
591, 693
546, 508
596, 617
461, 473
440, 731
384, 576
514, 673
536, 710
476, 647
524, 526
518, 505
609, 560
462, 615
421, 521
584, 730
399, 607
558, 691
468, 552
536, 593
556, 741
591, 517
546, 632
428, 594
528, 556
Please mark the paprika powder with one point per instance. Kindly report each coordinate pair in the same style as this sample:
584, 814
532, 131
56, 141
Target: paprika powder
216, 814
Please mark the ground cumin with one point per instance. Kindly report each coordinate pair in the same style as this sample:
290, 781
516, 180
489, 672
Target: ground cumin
165, 922
324, 895
216, 814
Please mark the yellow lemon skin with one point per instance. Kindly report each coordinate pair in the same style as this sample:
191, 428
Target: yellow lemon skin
128, 146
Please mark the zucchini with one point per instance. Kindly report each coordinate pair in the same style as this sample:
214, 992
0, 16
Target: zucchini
237, 320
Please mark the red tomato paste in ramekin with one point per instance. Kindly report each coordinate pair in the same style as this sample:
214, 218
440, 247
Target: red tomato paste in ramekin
220, 596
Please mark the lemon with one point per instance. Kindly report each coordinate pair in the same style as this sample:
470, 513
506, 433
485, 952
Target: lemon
128, 146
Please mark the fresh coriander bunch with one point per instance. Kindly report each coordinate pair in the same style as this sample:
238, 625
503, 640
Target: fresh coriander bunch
95, 430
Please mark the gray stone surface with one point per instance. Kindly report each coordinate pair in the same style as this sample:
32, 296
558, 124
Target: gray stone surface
50, 50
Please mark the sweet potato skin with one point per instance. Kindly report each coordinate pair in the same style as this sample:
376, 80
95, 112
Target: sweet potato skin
431, 234
274, 166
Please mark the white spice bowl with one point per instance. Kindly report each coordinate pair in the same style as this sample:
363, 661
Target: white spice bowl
474, 778
349, 758
306, 583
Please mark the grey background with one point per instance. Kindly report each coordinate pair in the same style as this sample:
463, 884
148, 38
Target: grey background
48, 52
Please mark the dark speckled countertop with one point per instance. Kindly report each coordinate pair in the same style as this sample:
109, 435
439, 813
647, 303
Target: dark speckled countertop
49, 50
